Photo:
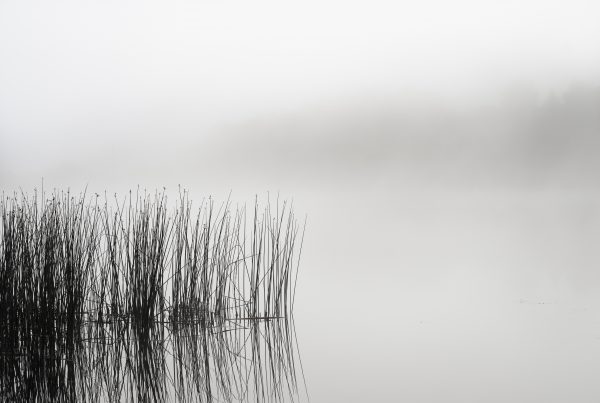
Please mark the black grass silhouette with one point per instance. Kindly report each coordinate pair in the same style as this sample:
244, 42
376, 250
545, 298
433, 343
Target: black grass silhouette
130, 300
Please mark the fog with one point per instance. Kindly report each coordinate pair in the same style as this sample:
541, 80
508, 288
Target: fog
83, 78
445, 155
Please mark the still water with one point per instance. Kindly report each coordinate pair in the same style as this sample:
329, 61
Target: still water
451, 295
416, 295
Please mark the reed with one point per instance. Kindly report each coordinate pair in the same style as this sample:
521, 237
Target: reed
88, 284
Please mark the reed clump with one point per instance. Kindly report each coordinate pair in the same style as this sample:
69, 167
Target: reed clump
76, 270
65, 259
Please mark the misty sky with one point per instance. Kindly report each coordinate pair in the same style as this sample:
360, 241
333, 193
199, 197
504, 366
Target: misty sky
141, 81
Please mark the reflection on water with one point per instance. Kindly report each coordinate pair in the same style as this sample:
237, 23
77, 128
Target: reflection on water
119, 360
144, 304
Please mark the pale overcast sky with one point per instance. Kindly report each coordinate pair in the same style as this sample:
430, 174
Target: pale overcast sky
77, 76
